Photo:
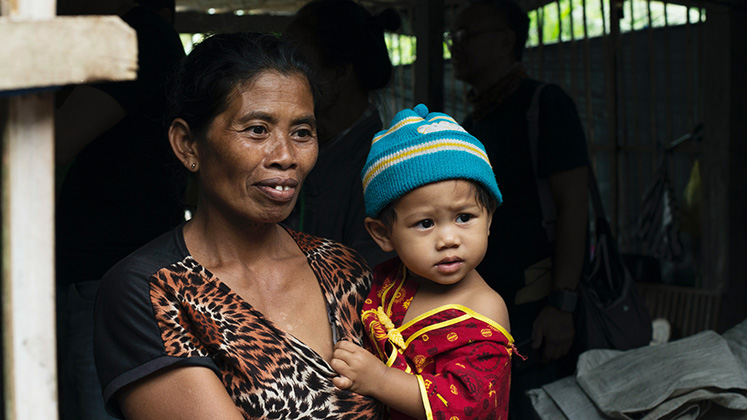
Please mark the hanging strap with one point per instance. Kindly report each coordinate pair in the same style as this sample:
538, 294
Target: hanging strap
549, 215
596, 198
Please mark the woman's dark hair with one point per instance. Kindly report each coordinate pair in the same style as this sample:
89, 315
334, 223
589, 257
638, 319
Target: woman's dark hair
484, 198
205, 79
516, 19
346, 33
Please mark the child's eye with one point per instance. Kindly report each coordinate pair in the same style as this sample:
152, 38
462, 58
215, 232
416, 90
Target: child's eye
425, 224
464, 218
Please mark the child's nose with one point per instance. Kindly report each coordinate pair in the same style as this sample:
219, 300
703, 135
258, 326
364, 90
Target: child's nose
448, 238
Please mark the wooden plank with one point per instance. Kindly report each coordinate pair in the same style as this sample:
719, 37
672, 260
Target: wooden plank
197, 22
652, 86
62, 51
27, 133
28, 255
429, 65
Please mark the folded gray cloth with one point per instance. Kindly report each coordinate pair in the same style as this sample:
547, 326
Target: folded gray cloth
656, 381
699, 377
564, 399
736, 337
544, 405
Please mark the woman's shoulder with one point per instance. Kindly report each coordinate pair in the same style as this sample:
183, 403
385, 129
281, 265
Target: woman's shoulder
333, 261
324, 248
157, 254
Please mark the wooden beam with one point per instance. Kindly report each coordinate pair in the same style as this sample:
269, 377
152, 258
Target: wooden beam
429, 65
39, 52
200, 23
62, 51
724, 157
28, 257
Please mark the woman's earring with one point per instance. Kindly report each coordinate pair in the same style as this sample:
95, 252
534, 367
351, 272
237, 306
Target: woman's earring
194, 165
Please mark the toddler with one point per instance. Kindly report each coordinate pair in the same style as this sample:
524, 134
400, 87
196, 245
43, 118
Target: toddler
440, 332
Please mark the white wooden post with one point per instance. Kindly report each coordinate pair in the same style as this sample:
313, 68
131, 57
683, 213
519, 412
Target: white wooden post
28, 259
28, 244
40, 50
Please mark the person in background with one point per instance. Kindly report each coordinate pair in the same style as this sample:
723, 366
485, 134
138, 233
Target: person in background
537, 277
345, 45
231, 315
116, 186
440, 332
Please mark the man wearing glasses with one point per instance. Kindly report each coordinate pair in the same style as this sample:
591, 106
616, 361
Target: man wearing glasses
535, 269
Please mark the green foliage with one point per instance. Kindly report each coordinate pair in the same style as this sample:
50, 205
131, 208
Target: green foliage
402, 48
636, 14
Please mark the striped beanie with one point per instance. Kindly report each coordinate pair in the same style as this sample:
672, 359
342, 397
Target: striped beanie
420, 148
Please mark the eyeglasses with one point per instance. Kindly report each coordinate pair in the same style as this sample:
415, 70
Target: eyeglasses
462, 35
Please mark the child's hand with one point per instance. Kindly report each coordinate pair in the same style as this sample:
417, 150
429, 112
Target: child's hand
360, 371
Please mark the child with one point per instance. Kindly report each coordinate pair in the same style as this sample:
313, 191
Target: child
440, 330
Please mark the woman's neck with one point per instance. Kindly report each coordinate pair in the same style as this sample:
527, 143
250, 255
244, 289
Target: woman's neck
216, 239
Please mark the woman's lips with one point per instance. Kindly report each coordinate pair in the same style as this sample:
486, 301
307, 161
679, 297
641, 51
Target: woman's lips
279, 189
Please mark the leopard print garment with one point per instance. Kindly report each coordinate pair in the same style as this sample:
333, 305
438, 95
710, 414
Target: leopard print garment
268, 373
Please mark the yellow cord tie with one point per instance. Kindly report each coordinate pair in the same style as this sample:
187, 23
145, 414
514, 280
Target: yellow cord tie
391, 333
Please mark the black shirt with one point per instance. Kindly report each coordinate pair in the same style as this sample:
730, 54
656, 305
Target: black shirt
120, 191
517, 237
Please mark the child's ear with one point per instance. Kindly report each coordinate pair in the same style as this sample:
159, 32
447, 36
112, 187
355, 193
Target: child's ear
379, 233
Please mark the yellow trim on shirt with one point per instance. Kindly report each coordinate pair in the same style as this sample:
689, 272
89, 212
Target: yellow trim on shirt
468, 313
397, 286
424, 397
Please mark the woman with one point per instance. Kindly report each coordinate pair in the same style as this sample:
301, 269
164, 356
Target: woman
232, 316
345, 44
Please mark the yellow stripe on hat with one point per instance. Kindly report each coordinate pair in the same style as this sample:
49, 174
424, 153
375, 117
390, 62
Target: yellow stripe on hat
421, 150
396, 127
444, 117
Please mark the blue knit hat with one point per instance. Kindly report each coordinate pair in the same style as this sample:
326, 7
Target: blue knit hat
420, 148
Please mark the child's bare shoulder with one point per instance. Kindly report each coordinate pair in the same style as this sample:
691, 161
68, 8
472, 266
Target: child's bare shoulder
487, 302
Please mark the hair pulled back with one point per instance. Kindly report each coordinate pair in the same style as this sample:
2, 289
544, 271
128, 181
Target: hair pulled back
205, 79
346, 33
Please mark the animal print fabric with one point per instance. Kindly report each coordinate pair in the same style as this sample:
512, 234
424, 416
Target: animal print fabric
268, 373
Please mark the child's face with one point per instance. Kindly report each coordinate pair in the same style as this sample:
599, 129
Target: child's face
441, 232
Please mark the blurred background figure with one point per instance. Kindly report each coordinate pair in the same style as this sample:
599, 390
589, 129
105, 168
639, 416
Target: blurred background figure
345, 45
535, 274
116, 185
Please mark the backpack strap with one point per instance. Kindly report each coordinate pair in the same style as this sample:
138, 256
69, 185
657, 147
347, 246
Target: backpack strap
549, 215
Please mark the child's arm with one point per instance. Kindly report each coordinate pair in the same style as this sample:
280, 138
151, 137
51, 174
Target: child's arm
362, 372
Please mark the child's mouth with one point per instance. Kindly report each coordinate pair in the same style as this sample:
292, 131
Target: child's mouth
449, 265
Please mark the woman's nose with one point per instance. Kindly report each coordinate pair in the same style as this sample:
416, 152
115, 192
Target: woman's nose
282, 153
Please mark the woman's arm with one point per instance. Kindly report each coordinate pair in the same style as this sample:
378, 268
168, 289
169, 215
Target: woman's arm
179, 393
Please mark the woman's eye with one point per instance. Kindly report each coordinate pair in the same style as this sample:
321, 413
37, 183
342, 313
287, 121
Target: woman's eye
304, 133
464, 218
257, 129
425, 224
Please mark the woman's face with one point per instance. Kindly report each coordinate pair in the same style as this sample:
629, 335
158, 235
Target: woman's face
259, 150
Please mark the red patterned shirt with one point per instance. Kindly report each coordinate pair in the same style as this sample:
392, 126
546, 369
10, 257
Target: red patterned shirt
462, 359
